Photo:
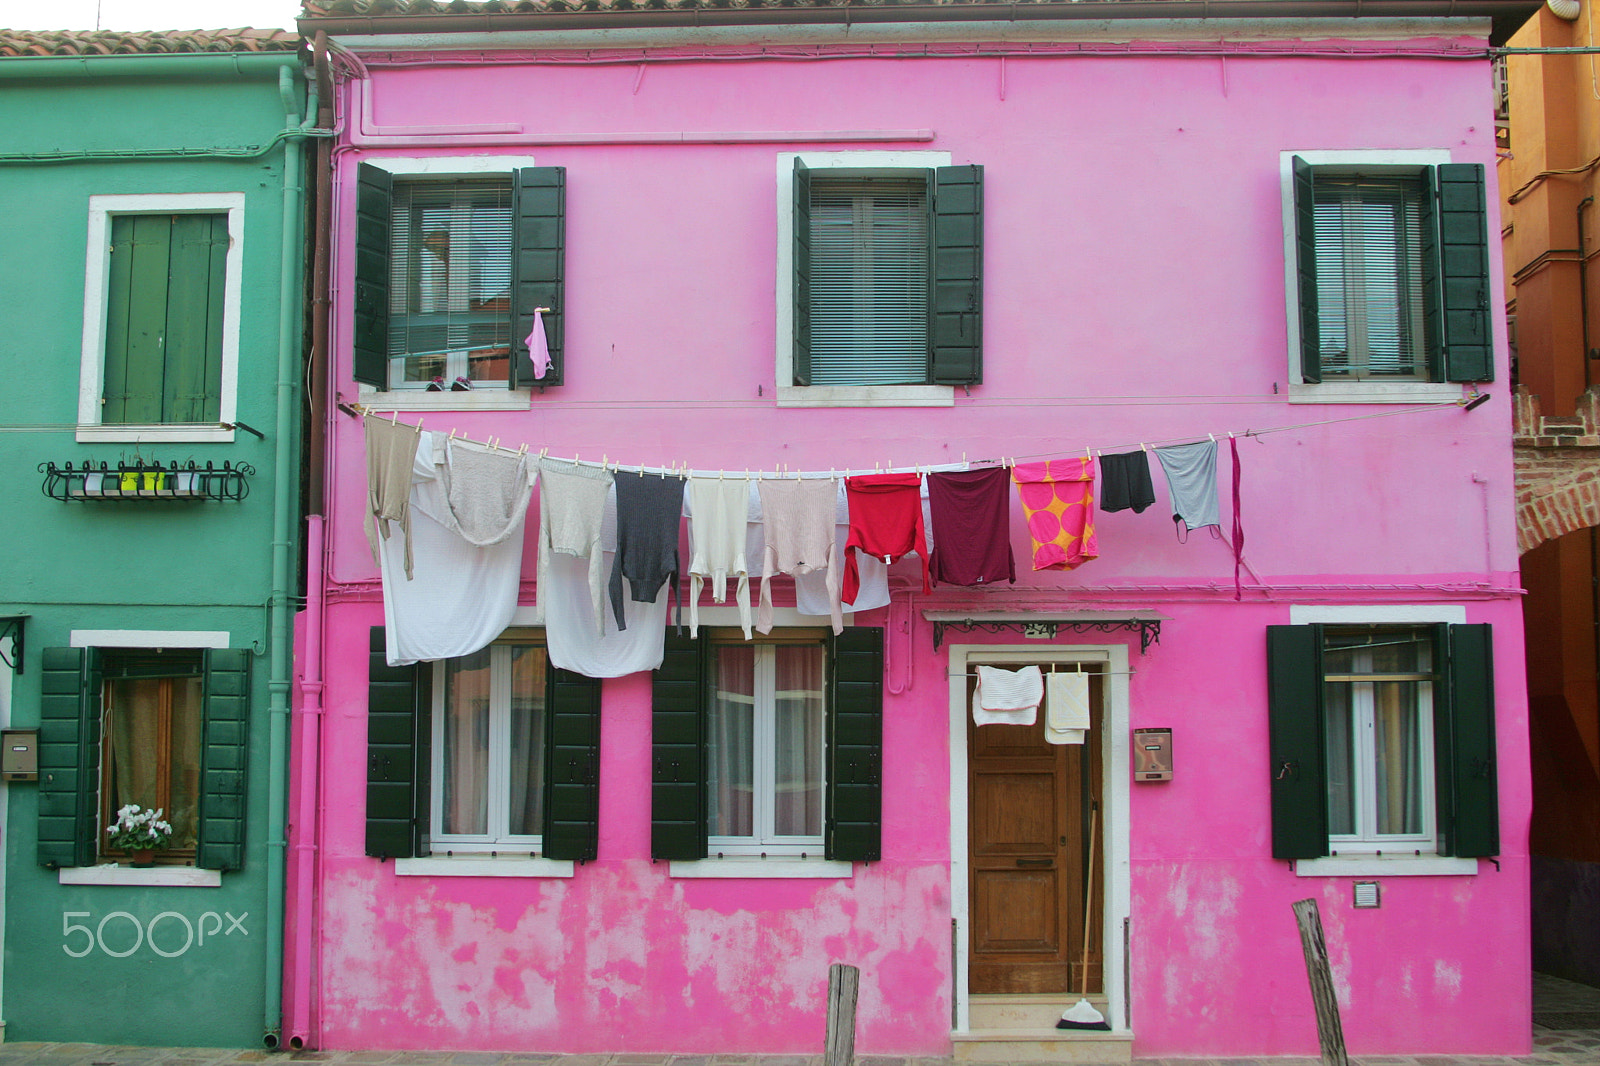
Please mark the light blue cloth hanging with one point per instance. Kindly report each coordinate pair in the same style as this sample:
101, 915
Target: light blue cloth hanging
1191, 471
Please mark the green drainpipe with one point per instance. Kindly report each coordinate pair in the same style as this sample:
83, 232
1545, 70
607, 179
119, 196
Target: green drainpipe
285, 472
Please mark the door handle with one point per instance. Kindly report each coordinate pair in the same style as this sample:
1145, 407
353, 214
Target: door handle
1034, 862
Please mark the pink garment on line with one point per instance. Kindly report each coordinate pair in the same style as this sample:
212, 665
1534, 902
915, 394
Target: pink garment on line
1058, 502
538, 346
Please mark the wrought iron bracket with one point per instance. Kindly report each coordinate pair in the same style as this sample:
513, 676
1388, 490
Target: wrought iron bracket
147, 481
1149, 629
12, 627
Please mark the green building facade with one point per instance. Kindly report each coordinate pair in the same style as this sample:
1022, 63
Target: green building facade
151, 437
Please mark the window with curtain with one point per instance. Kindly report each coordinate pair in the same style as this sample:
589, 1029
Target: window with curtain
488, 749
869, 286
151, 741
450, 284
764, 748
1378, 728
1370, 291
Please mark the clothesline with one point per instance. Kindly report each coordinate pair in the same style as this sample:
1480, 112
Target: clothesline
783, 472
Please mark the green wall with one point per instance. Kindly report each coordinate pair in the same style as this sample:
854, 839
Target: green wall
74, 970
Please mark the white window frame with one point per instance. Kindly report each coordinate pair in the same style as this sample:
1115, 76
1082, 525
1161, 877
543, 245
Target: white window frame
763, 770
96, 299
1352, 862
788, 394
443, 168
1357, 162
498, 840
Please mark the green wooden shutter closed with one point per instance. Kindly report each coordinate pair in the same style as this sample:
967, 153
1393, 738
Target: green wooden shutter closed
572, 778
956, 318
164, 308
397, 754
69, 756
1464, 272
800, 357
1469, 810
678, 826
374, 216
854, 817
224, 751
1305, 250
538, 270
1297, 769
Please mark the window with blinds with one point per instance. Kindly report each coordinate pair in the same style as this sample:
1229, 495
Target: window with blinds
1369, 277
450, 283
869, 281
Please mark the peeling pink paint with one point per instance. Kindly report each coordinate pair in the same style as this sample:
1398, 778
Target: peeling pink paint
1133, 249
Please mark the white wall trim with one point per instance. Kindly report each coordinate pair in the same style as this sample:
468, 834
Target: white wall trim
1397, 614
1116, 770
97, 271
450, 166
1385, 866
1107, 30
482, 866
148, 638
754, 866
143, 876
789, 395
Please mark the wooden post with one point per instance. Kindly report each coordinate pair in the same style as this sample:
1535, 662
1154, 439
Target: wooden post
843, 982
1330, 1033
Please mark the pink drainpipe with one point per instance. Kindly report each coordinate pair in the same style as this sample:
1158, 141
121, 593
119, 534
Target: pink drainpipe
305, 814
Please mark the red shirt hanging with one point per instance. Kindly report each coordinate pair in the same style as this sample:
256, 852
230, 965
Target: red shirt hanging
885, 521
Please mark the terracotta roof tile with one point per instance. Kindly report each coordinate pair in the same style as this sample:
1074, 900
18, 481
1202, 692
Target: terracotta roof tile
148, 42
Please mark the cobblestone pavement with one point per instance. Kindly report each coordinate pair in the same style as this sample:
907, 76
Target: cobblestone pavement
1566, 1032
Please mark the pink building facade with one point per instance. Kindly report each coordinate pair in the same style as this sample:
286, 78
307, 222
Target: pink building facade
1132, 234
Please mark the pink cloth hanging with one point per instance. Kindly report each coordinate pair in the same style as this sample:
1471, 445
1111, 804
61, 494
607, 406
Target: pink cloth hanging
538, 346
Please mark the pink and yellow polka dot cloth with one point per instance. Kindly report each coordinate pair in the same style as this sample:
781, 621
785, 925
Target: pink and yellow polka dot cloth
1058, 502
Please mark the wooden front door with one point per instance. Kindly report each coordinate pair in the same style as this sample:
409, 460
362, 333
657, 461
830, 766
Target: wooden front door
1030, 804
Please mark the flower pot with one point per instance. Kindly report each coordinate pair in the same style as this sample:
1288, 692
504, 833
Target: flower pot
143, 858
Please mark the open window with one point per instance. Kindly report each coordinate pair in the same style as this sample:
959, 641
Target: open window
496, 753
768, 748
450, 270
1382, 740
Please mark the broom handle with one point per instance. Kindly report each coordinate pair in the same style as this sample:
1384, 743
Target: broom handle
1088, 899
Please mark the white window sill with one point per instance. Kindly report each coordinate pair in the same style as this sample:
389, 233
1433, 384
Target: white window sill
143, 876
752, 866
1374, 392
866, 396
1385, 866
460, 866
208, 433
423, 400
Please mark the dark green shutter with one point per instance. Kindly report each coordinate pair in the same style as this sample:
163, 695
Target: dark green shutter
374, 217
1464, 272
1305, 251
1297, 769
164, 307
538, 269
956, 318
224, 751
397, 754
800, 357
677, 740
69, 756
572, 777
1469, 811
854, 818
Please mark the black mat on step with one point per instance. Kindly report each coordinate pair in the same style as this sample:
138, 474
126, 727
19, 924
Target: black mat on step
1567, 1019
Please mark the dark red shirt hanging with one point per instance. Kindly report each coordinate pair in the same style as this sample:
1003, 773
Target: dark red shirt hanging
971, 512
885, 521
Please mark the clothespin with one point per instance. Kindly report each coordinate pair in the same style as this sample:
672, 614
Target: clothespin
523, 450
452, 432
1230, 436
663, 471
1142, 448
394, 418
1213, 437
544, 452
494, 444
603, 457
